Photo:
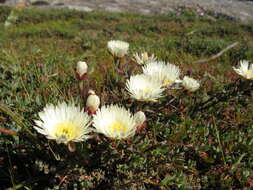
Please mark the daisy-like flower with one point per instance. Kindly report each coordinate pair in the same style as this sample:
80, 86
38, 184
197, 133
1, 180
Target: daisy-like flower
165, 73
144, 88
81, 70
114, 122
63, 123
245, 70
118, 48
190, 84
143, 58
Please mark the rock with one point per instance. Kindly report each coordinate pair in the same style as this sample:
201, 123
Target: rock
40, 2
58, 3
236, 9
79, 8
113, 9
144, 11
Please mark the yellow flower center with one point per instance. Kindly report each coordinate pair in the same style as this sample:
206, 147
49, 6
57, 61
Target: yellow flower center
117, 128
249, 74
65, 132
167, 82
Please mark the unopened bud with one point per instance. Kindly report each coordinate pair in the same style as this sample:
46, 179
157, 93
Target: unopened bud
190, 84
81, 70
92, 103
140, 118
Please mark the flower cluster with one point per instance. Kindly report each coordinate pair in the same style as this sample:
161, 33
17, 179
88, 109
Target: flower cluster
156, 77
67, 123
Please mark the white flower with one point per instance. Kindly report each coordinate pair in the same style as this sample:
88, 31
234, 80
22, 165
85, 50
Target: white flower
143, 58
165, 73
63, 123
11, 19
140, 118
190, 84
144, 88
81, 69
245, 69
7, 23
114, 122
92, 102
118, 48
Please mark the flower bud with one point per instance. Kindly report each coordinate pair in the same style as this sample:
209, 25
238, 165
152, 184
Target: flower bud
92, 102
91, 92
190, 84
140, 118
81, 70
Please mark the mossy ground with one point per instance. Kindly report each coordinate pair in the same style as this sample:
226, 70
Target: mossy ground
187, 144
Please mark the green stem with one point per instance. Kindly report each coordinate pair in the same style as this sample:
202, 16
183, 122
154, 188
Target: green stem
10, 168
219, 141
116, 62
81, 90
